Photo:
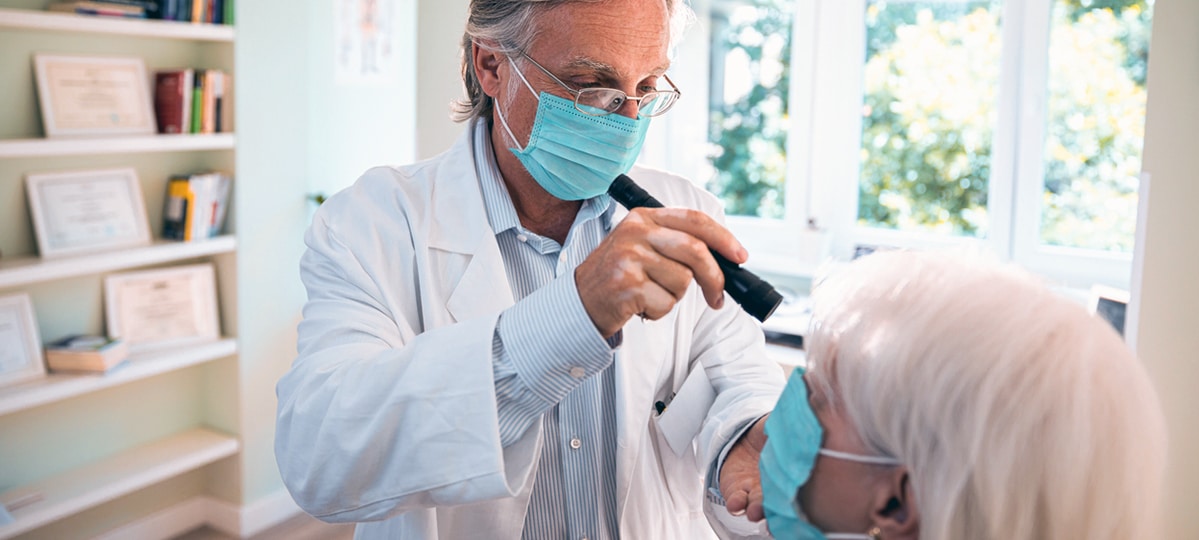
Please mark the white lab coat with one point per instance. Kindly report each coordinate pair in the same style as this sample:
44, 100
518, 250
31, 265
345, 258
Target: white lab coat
388, 416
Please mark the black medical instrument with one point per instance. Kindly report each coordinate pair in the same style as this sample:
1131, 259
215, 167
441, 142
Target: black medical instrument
757, 297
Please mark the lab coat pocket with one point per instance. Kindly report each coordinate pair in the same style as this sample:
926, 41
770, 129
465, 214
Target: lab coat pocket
681, 420
676, 428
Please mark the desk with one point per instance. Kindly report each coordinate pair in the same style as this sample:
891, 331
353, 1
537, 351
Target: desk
785, 331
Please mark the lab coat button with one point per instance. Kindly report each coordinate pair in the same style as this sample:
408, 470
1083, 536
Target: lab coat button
576, 443
577, 372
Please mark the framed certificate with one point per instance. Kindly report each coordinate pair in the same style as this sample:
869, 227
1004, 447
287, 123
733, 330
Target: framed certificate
90, 95
162, 308
85, 211
20, 344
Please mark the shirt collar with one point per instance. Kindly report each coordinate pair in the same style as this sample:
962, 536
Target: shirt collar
501, 213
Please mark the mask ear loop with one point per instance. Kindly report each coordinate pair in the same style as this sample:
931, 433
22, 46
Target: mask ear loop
500, 112
872, 460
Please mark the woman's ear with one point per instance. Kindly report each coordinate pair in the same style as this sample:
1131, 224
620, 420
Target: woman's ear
487, 64
896, 513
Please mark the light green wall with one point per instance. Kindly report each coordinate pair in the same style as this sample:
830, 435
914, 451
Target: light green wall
439, 66
1167, 340
298, 132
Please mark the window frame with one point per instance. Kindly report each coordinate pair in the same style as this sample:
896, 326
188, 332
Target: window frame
828, 35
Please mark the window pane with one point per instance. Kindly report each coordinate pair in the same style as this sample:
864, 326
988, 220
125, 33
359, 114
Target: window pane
750, 59
931, 84
1098, 55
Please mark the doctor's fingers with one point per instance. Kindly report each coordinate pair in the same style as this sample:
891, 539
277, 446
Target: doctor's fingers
684, 249
699, 225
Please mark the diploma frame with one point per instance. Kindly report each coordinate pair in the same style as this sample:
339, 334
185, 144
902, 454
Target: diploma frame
19, 308
160, 308
82, 96
121, 223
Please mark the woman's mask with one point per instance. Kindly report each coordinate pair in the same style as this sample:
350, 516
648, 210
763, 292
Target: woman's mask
794, 439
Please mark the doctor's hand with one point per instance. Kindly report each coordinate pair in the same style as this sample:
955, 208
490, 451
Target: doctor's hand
740, 481
647, 263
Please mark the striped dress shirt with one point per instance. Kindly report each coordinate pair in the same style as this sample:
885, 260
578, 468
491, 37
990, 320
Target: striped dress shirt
552, 366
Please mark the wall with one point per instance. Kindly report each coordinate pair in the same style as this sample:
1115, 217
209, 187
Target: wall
1167, 341
439, 80
299, 131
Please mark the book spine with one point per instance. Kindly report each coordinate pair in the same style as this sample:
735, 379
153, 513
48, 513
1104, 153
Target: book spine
174, 213
209, 123
229, 12
197, 11
197, 101
169, 91
218, 108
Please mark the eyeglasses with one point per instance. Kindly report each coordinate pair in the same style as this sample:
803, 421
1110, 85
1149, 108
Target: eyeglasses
605, 101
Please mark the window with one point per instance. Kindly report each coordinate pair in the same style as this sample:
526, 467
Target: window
1014, 124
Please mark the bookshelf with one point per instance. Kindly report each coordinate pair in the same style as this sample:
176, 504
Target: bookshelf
98, 452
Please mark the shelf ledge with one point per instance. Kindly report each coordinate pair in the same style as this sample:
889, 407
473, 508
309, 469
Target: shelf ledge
19, 148
28, 270
60, 386
97, 483
68, 22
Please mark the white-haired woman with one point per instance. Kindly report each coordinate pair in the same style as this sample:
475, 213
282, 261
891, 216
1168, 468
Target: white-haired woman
948, 398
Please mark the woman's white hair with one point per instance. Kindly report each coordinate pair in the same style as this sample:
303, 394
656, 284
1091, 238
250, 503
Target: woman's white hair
1017, 413
509, 26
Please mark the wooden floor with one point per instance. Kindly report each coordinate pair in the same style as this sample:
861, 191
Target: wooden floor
302, 527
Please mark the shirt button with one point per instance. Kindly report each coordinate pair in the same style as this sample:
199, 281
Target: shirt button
577, 372
562, 257
576, 443
522, 238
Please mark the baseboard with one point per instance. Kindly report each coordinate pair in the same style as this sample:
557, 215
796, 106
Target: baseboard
231, 519
249, 520
167, 523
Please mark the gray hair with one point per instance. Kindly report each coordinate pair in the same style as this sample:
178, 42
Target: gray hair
1017, 413
511, 25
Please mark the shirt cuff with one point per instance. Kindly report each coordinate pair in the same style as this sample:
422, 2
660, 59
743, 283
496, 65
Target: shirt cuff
551, 341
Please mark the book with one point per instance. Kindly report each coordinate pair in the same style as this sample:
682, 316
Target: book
197, 102
152, 8
96, 7
195, 206
172, 100
86, 353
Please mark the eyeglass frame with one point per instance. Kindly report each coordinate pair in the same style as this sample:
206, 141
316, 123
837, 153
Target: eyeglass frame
577, 93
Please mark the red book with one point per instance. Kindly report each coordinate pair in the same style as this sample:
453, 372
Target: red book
172, 100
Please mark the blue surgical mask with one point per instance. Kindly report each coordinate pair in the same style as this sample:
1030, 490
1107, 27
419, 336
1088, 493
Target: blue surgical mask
573, 155
793, 440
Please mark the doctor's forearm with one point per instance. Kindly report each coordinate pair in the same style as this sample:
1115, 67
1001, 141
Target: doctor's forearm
544, 347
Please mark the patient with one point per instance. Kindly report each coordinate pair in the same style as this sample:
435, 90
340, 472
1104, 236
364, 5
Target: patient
947, 398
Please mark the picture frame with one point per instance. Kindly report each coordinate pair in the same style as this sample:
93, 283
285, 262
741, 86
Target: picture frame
21, 357
90, 96
76, 212
162, 308
1110, 304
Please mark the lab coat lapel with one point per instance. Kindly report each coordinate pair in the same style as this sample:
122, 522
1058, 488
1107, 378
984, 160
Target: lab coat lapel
462, 237
638, 367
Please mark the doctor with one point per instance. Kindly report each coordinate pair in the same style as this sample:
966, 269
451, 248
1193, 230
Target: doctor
493, 349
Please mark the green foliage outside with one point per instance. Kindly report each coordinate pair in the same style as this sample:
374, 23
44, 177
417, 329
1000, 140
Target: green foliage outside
931, 84
749, 135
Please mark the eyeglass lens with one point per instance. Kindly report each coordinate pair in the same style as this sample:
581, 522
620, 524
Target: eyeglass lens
610, 100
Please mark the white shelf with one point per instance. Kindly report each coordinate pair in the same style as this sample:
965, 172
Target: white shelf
99, 482
22, 271
18, 148
67, 22
59, 386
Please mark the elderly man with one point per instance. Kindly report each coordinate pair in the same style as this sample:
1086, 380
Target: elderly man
493, 349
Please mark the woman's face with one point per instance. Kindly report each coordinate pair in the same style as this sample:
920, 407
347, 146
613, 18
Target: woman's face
847, 496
